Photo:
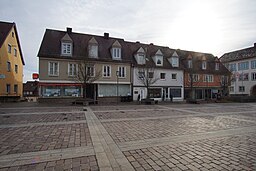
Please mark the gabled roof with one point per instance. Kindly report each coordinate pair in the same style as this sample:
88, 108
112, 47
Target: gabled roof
5, 29
239, 54
51, 46
197, 58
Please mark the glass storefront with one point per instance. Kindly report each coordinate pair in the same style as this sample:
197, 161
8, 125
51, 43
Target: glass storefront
61, 91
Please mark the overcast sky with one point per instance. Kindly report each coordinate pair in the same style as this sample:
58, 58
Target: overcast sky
212, 26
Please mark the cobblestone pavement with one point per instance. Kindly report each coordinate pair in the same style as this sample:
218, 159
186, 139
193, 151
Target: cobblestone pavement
128, 137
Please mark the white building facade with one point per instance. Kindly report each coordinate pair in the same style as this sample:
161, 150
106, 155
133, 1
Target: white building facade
242, 64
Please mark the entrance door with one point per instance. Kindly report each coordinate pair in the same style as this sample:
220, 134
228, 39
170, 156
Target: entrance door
253, 92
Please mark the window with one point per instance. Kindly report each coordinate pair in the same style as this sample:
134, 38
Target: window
15, 88
106, 71
217, 66
90, 71
141, 59
53, 69
116, 53
8, 88
9, 48
16, 68
93, 51
121, 72
243, 66
175, 62
232, 67
244, 77
15, 52
12, 34
159, 60
150, 74
204, 65
141, 74
208, 78
175, 92
72, 69
194, 76
66, 49
231, 89
189, 63
241, 89
154, 92
253, 76
162, 76
9, 66
174, 76
253, 64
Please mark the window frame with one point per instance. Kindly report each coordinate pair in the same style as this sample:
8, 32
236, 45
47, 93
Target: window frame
64, 48
241, 88
207, 78
177, 61
74, 69
8, 88
243, 66
15, 52
9, 48
253, 76
106, 68
164, 76
93, 51
175, 76
159, 58
55, 71
217, 66
15, 88
204, 65
9, 67
253, 64
190, 64
121, 72
16, 68
91, 69
116, 53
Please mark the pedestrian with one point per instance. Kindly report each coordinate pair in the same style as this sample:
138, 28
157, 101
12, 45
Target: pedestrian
171, 97
138, 99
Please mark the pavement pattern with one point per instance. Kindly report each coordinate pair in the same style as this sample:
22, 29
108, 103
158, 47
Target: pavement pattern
128, 137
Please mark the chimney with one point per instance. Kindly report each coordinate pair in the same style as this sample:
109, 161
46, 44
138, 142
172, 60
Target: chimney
255, 45
106, 35
69, 30
137, 41
151, 44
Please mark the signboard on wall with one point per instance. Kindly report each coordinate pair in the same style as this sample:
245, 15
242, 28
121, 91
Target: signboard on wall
35, 76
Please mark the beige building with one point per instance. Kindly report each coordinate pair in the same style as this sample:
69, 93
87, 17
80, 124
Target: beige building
67, 59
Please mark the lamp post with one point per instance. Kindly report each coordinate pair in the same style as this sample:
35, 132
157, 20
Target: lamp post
117, 77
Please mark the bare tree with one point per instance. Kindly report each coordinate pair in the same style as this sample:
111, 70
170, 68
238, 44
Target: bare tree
87, 74
146, 76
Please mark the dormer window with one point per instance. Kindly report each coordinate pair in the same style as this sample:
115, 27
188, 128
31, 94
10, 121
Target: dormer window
175, 61
141, 59
217, 66
190, 63
116, 53
159, 60
93, 48
204, 64
66, 49
93, 51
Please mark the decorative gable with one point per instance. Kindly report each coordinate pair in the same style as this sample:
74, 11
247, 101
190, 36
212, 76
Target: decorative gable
93, 48
116, 51
140, 56
66, 45
158, 58
174, 60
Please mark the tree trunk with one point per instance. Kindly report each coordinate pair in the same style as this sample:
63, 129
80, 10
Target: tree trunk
84, 90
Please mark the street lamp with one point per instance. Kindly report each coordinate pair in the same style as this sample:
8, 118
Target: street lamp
117, 77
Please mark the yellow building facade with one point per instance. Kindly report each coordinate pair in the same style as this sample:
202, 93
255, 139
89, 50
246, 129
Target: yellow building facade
11, 63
